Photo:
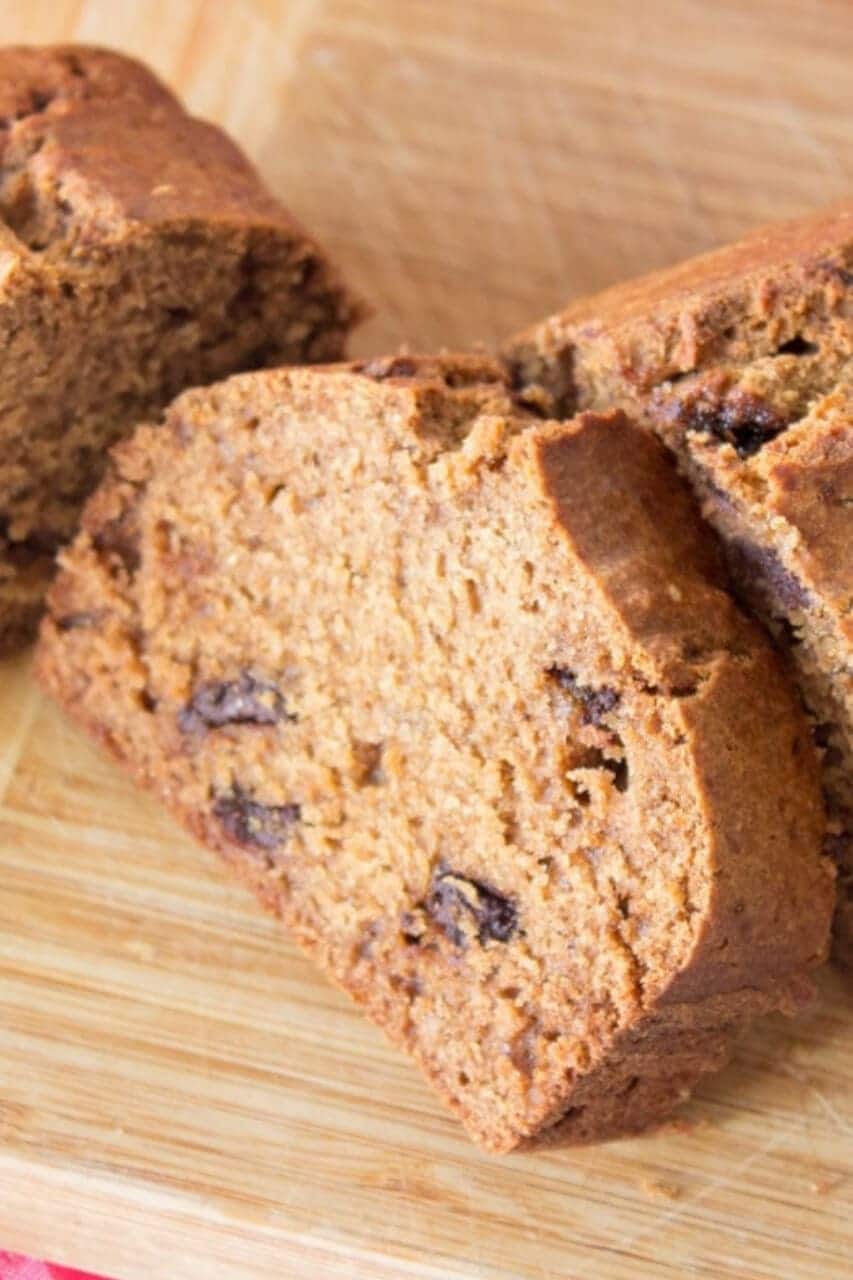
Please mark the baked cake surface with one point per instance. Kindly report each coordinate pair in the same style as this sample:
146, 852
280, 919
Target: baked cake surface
461, 695
742, 362
139, 254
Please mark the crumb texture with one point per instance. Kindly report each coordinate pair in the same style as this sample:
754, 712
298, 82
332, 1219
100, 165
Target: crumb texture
139, 254
480, 725
742, 362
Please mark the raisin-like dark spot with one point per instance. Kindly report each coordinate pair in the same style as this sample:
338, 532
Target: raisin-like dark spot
245, 700
389, 367
595, 703
453, 897
762, 566
255, 825
797, 346
742, 420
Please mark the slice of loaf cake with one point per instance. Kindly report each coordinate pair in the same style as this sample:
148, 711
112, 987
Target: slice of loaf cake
139, 254
461, 695
742, 362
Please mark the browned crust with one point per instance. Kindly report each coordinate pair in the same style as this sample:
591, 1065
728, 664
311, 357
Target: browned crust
96, 153
108, 123
104, 124
743, 299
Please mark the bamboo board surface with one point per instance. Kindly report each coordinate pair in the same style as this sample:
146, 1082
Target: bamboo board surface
181, 1095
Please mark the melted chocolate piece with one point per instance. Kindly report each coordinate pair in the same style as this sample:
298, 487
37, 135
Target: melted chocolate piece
252, 824
245, 700
740, 419
595, 703
452, 897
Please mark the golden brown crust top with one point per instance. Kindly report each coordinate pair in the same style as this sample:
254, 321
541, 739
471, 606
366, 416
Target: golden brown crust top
104, 131
139, 254
801, 243
738, 301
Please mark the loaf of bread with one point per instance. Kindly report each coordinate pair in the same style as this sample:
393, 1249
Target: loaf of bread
742, 362
139, 254
461, 695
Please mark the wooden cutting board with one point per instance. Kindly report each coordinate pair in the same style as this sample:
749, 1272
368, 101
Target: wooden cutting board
181, 1095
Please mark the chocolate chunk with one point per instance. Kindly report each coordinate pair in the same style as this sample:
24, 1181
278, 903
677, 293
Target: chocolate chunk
739, 419
452, 897
762, 566
255, 825
245, 700
595, 703
389, 367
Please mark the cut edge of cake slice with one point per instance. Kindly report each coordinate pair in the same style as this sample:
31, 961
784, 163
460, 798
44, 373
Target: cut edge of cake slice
741, 361
461, 695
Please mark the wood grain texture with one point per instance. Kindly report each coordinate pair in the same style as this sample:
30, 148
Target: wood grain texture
181, 1095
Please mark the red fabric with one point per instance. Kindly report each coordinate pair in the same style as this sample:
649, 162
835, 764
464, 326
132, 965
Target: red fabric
14, 1267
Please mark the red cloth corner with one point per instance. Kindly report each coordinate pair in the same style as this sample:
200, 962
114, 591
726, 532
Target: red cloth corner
14, 1267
